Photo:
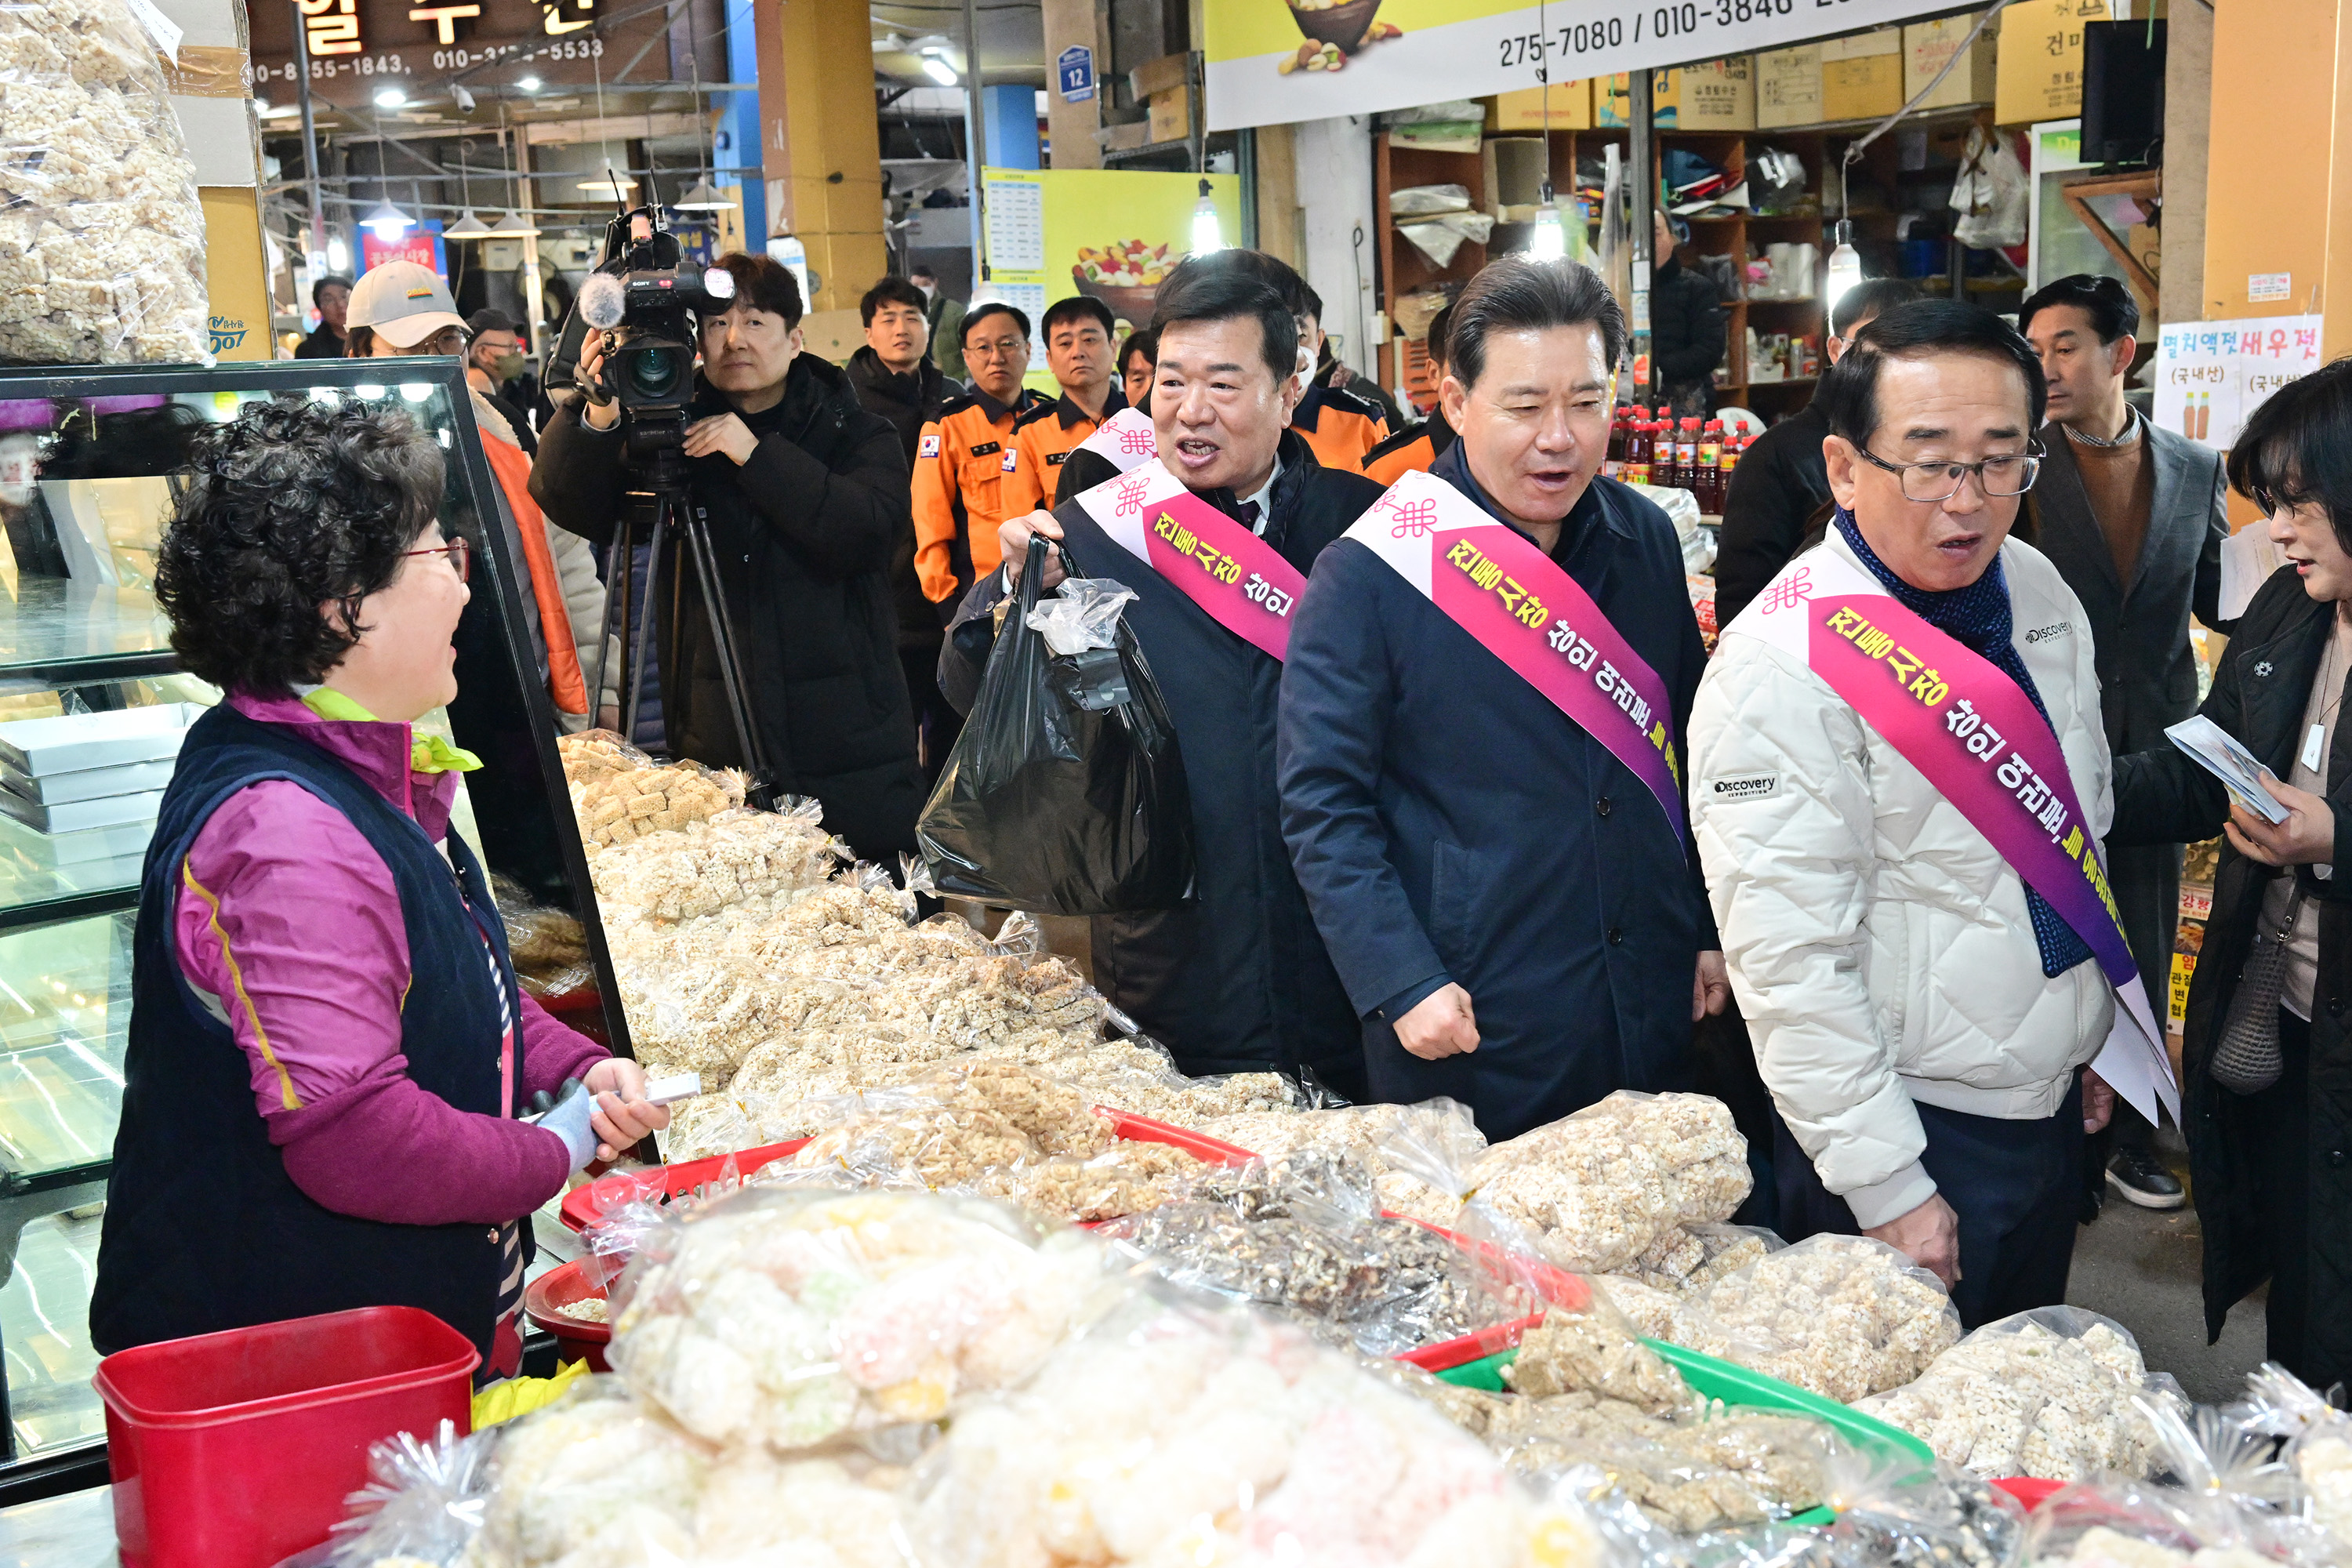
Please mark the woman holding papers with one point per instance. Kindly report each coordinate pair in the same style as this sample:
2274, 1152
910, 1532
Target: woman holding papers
2266, 1065
1898, 784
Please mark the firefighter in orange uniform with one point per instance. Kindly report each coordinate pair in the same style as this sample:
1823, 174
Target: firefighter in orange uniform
966, 465
1078, 351
1412, 449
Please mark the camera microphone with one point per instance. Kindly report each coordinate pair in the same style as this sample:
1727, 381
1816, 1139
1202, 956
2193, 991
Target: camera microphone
603, 301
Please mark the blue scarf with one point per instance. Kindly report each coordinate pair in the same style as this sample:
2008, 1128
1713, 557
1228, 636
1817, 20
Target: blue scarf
1979, 616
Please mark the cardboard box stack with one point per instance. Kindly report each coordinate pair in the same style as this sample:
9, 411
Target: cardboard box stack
1166, 85
88, 786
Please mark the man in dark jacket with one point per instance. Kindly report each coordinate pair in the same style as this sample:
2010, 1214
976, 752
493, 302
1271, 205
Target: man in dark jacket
804, 494
896, 379
331, 297
1687, 330
1237, 979
2133, 517
1514, 909
1781, 481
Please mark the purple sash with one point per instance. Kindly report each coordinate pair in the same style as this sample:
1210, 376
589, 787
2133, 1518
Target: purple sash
1523, 609
1241, 581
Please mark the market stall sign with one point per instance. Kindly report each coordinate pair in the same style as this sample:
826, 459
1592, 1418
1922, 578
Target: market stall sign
1075, 66
356, 45
2210, 376
1268, 61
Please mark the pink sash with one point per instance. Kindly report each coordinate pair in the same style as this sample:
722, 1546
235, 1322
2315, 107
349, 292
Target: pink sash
1126, 440
1525, 611
1970, 729
1240, 580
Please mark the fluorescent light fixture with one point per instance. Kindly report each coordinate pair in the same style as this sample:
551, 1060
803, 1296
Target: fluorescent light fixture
514, 225
704, 197
529, 84
939, 70
389, 222
1550, 240
390, 98
467, 227
1208, 231
603, 185
1844, 270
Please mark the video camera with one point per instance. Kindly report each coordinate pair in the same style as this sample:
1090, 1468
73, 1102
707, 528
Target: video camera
646, 306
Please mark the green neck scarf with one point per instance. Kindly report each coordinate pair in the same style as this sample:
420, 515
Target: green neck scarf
427, 753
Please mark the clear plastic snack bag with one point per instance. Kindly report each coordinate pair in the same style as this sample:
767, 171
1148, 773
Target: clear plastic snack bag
1894, 1512
2318, 1451
423, 1505
599, 1475
2048, 1392
101, 236
1842, 1316
1083, 616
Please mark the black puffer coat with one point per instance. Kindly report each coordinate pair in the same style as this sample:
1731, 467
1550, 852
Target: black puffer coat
803, 533
2162, 797
908, 399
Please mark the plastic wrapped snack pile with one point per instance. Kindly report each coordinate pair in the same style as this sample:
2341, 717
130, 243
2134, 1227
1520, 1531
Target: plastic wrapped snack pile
2047, 1393
101, 234
1842, 1316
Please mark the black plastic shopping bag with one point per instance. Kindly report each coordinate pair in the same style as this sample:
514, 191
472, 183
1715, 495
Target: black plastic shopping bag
1064, 795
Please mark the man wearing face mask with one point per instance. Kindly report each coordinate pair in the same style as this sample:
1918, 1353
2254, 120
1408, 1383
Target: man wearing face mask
494, 367
1237, 979
403, 309
1481, 718
804, 496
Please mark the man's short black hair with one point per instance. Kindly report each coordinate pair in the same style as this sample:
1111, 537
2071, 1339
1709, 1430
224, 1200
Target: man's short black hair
1434, 345
291, 506
1868, 300
1271, 270
331, 280
922, 269
979, 313
763, 283
2114, 312
1194, 292
489, 318
890, 291
2296, 448
1519, 293
1849, 392
1077, 307
1145, 342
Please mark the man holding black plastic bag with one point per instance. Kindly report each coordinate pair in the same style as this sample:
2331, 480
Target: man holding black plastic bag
1215, 534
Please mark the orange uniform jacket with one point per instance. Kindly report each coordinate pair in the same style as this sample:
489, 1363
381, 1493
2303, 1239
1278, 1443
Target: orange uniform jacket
1411, 450
1043, 437
1339, 427
965, 482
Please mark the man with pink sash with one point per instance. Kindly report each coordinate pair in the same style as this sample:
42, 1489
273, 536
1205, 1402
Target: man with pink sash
1899, 785
1481, 735
1213, 514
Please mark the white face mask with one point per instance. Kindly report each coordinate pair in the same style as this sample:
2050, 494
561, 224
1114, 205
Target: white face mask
928, 290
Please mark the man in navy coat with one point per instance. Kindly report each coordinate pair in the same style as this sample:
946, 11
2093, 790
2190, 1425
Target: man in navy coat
1513, 914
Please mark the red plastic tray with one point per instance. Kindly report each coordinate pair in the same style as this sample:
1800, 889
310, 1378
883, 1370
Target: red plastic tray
237, 1450
1554, 1285
2030, 1491
560, 1286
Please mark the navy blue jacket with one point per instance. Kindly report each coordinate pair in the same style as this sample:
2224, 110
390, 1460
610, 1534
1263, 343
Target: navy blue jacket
1449, 824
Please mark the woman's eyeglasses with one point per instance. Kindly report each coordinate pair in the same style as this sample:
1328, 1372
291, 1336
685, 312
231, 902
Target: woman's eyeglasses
460, 552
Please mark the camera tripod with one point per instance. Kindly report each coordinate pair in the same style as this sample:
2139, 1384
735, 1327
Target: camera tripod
664, 511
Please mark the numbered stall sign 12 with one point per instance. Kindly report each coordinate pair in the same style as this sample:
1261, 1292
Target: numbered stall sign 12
1076, 67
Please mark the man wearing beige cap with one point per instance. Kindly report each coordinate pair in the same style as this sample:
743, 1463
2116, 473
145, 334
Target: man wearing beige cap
402, 309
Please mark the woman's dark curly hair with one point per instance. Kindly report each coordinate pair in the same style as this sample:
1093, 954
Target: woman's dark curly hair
291, 506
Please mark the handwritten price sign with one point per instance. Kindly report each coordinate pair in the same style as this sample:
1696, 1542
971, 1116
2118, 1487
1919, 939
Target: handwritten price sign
2210, 376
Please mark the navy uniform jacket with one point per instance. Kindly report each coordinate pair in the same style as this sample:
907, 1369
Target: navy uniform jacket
1448, 823
1237, 979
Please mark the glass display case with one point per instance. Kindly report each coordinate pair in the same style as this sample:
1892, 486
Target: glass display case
90, 463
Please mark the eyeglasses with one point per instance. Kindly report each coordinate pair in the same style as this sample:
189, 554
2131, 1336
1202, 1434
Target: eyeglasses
460, 552
1002, 348
2009, 474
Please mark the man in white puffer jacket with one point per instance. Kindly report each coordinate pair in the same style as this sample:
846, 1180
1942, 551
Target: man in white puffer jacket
1919, 1017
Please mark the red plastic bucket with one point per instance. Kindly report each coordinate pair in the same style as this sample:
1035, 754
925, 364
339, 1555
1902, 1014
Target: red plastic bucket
543, 1300
237, 1450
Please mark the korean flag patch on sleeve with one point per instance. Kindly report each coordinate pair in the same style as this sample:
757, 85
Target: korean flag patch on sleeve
930, 446
1012, 457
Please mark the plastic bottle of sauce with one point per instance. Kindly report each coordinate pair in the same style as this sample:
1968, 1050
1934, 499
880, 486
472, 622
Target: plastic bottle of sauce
1686, 455
1637, 452
1710, 468
1612, 466
1732, 446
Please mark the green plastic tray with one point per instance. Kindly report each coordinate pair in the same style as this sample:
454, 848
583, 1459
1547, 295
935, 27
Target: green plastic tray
1736, 1384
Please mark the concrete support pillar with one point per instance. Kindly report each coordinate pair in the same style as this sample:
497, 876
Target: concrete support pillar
1073, 125
819, 142
1011, 110
1334, 176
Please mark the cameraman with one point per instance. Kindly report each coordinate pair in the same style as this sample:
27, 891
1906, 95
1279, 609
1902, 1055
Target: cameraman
804, 494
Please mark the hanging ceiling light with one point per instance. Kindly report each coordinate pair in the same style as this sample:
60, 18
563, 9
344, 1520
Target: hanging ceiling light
1844, 270
388, 221
1550, 240
514, 225
610, 185
1208, 230
704, 197
939, 70
529, 84
390, 98
467, 227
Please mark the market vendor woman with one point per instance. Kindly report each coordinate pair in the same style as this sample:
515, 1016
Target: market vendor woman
327, 1049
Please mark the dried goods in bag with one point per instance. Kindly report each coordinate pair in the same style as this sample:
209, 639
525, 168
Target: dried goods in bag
1844, 1316
101, 234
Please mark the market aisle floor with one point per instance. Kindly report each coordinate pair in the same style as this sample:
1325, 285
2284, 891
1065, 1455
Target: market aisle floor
2140, 1268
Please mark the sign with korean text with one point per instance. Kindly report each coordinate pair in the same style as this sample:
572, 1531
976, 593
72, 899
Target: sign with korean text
421, 245
359, 47
1239, 580
2210, 376
1493, 584
1075, 67
1980, 740
2039, 70
1262, 55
